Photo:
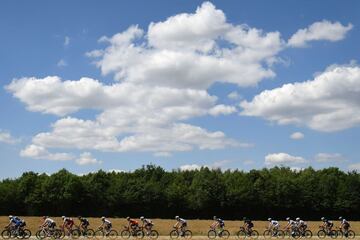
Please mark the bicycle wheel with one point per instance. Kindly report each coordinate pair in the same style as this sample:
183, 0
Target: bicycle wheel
24, 234
89, 233
187, 234
224, 234
139, 234
154, 234
112, 234
99, 234
212, 234
174, 234
125, 234
254, 234
6, 234
241, 234
333, 234
75, 233
321, 234
268, 234
280, 234
350, 234
42, 234
307, 234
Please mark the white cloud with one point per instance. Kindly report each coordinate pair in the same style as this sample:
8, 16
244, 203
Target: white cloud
283, 159
184, 51
61, 63
234, 95
116, 171
66, 41
329, 157
190, 167
297, 136
330, 102
5, 137
324, 30
39, 152
86, 158
162, 154
354, 167
222, 109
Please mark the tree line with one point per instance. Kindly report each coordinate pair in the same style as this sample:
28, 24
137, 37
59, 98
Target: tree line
153, 192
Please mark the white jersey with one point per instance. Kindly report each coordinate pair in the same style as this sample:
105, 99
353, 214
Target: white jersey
147, 221
181, 220
274, 223
107, 222
302, 223
49, 221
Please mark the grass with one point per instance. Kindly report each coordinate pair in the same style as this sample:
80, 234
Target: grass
164, 226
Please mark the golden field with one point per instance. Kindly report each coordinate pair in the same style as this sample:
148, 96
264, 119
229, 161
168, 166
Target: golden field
164, 226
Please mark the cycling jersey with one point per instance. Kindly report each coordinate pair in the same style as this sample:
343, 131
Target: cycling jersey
84, 221
107, 222
292, 222
181, 220
50, 223
68, 221
274, 223
147, 221
302, 223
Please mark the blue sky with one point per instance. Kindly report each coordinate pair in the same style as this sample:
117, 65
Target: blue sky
89, 85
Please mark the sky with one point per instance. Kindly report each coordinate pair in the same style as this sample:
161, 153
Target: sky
115, 85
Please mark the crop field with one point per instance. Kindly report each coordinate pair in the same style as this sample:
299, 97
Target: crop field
164, 226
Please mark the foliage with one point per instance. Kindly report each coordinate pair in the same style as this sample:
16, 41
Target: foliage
154, 192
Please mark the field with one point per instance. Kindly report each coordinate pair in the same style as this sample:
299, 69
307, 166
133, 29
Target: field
164, 226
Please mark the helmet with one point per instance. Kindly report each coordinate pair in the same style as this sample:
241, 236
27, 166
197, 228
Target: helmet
214, 217
141, 218
128, 218
322, 219
297, 219
287, 219
269, 219
103, 218
340, 218
177, 217
10, 216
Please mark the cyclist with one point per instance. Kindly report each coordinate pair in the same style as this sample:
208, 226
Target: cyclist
344, 225
218, 222
327, 224
147, 224
133, 224
68, 223
84, 222
180, 223
248, 225
48, 223
273, 225
302, 225
16, 222
291, 224
106, 224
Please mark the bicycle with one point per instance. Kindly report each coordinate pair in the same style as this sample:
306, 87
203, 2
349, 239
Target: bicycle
101, 232
12, 232
221, 234
177, 232
347, 234
128, 232
45, 232
78, 232
269, 233
151, 233
292, 232
322, 233
243, 233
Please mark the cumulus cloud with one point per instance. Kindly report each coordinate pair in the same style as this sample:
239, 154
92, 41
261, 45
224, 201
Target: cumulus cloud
354, 167
190, 167
5, 137
283, 159
39, 152
324, 30
190, 51
330, 102
222, 110
234, 95
329, 157
297, 136
86, 159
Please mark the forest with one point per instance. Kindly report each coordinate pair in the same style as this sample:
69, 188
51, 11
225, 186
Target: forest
198, 194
